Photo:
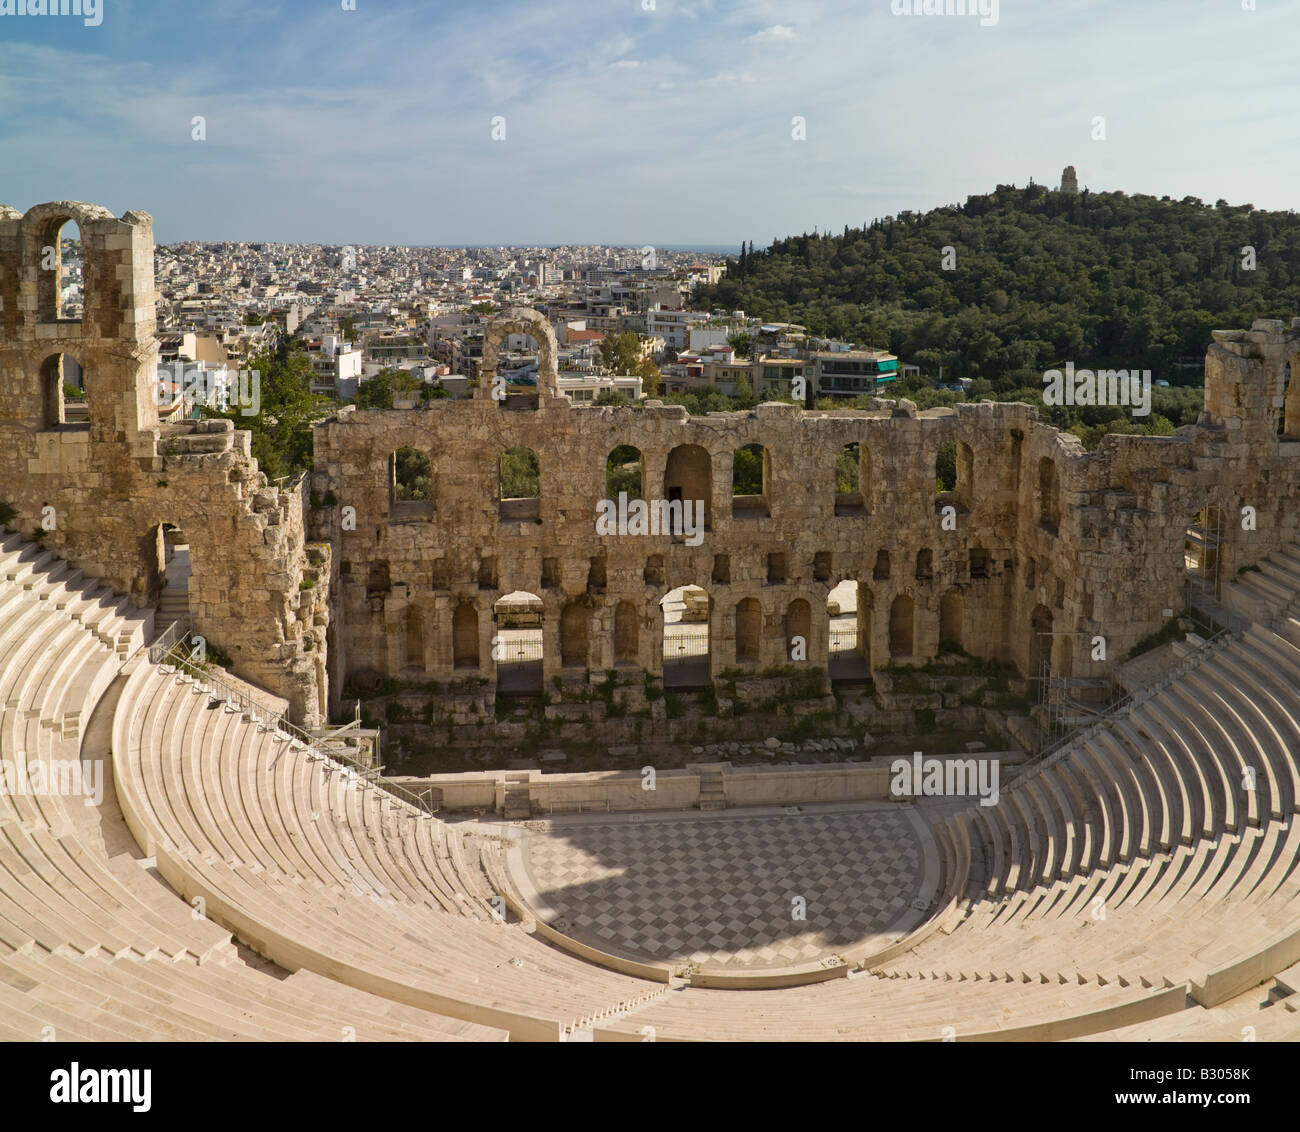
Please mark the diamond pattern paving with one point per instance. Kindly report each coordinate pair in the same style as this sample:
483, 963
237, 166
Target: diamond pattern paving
720, 890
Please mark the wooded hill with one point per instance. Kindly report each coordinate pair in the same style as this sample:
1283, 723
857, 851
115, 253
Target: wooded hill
1040, 278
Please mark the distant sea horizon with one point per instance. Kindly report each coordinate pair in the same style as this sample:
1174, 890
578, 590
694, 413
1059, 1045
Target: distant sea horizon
707, 249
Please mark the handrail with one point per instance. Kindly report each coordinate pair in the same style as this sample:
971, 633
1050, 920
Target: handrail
175, 656
177, 631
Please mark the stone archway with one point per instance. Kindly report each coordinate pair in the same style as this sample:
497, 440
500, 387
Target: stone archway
520, 320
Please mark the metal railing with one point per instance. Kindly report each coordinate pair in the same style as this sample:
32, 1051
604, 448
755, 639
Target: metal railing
844, 640
168, 639
520, 651
681, 645
176, 657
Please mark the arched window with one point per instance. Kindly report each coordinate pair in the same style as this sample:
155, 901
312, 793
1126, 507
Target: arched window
688, 478
411, 479
945, 468
1040, 643
1289, 417
749, 483
852, 478
1202, 542
965, 472
623, 472
534, 369
63, 392
520, 490
61, 272
954, 474
378, 581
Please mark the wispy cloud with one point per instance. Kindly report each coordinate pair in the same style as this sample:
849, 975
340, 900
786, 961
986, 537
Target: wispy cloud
667, 124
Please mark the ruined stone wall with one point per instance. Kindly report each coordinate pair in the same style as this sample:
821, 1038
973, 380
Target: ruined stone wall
102, 487
1052, 547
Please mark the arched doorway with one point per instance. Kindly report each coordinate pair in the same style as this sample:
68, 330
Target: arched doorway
172, 562
848, 612
517, 644
686, 622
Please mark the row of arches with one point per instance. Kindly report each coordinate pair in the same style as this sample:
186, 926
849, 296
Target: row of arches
688, 474
688, 641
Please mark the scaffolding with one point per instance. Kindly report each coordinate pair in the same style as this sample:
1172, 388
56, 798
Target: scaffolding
1066, 703
1201, 551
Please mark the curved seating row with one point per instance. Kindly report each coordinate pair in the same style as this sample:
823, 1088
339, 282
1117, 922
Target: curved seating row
92, 945
1188, 801
315, 867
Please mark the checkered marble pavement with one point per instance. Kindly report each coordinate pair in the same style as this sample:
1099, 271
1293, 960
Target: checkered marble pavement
718, 889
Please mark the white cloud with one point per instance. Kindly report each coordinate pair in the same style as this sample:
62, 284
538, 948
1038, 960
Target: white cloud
776, 33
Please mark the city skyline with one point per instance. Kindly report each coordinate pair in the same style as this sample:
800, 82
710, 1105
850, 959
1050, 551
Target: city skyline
625, 126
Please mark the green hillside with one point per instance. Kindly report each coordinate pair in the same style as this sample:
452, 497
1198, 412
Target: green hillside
1040, 278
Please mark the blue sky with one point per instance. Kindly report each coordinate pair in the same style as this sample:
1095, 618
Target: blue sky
626, 125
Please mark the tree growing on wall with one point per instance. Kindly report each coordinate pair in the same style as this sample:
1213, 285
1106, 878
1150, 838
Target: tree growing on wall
281, 429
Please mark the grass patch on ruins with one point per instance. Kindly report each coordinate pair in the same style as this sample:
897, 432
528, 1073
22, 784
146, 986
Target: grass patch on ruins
1171, 630
215, 655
